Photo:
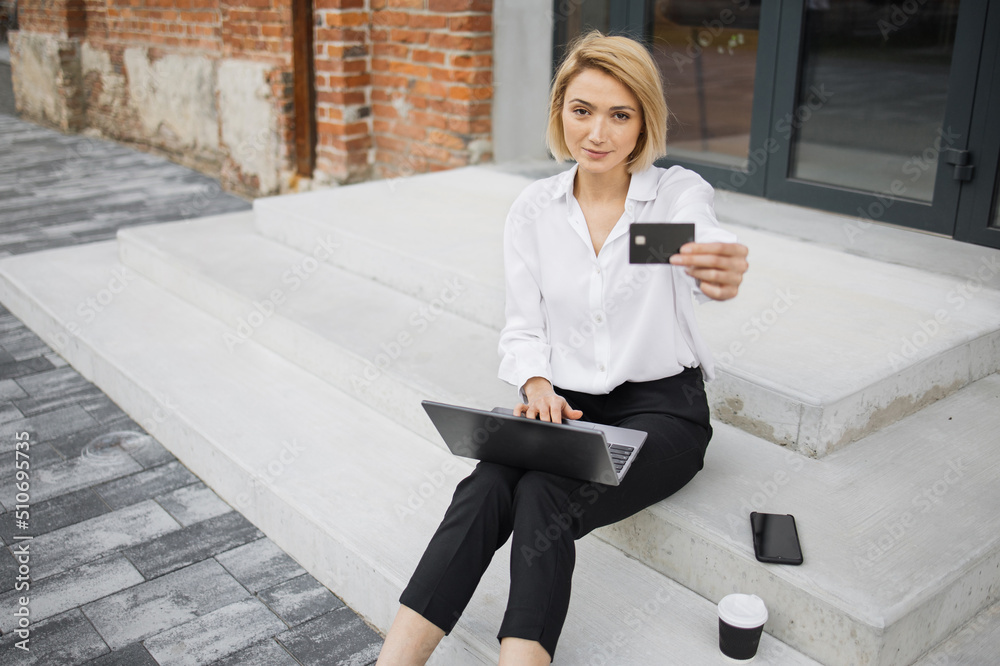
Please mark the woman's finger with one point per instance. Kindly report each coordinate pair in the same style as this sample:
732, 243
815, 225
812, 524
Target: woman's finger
716, 276
719, 261
551, 409
725, 249
719, 292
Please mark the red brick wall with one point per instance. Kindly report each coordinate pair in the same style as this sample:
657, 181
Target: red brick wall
410, 78
66, 18
97, 20
188, 24
257, 29
341, 59
402, 86
432, 83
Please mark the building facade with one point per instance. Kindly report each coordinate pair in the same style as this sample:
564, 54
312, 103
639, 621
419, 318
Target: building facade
394, 86
876, 109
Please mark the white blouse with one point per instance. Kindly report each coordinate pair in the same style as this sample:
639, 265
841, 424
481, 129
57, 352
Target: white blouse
590, 322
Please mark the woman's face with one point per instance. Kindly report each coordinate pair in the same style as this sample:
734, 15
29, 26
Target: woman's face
601, 121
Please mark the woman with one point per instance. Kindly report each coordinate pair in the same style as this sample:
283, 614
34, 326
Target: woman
587, 335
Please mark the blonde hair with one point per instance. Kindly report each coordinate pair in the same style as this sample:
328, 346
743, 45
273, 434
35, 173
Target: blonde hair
627, 61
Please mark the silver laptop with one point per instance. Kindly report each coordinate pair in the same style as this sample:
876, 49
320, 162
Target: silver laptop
578, 449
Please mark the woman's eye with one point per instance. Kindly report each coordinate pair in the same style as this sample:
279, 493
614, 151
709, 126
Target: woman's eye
579, 111
621, 116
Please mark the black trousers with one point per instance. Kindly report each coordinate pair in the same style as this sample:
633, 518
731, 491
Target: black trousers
546, 512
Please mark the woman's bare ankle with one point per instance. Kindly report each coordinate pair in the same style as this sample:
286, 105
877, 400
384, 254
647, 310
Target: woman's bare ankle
410, 641
522, 652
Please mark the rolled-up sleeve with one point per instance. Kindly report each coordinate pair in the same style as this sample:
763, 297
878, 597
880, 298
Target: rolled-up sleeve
524, 346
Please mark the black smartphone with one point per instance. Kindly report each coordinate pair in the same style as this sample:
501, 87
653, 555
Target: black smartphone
775, 539
655, 242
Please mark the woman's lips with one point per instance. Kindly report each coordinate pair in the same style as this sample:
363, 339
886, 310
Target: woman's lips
593, 154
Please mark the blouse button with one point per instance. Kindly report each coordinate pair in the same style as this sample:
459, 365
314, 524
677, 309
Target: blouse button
601, 367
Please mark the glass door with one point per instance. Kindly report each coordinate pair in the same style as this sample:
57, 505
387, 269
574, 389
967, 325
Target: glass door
979, 205
572, 18
878, 105
871, 108
716, 57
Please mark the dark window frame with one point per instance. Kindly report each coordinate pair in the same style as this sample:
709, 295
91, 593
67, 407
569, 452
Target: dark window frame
962, 210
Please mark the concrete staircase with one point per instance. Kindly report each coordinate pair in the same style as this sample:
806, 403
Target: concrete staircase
282, 355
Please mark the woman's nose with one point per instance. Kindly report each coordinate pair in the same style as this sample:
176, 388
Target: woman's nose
597, 130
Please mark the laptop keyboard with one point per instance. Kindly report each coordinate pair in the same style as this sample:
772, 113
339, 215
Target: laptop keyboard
619, 454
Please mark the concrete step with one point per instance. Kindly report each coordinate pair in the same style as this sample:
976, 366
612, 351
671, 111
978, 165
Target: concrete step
872, 493
821, 348
414, 234
900, 533
351, 495
386, 348
976, 643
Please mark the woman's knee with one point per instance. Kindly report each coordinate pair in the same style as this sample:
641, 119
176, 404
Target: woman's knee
490, 479
668, 436
537, 486
488, 472
543, 501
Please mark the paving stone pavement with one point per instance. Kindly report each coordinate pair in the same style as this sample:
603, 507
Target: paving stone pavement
133, 560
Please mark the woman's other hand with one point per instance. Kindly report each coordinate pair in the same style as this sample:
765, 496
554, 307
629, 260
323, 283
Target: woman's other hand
718, 266
544, 403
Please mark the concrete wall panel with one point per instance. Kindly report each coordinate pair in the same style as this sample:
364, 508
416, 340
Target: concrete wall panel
45, 77
174, 97
522, 53
249, 125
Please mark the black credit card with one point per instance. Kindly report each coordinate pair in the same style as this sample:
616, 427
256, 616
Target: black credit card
655, 242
